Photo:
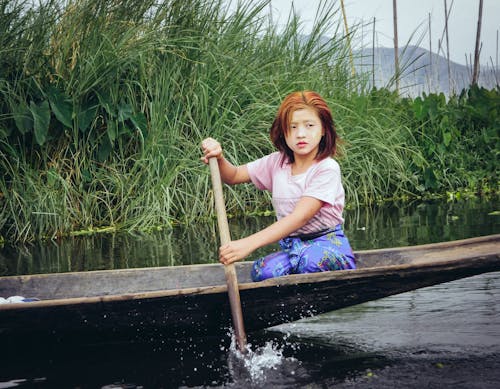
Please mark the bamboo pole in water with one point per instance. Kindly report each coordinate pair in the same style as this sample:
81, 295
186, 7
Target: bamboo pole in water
468, 69
438, 73
475, 73
396, 50
431, 78
496, 62
446, 15
373, 54
348, 37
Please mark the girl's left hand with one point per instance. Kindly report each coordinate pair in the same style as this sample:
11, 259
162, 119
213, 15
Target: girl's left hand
234, 251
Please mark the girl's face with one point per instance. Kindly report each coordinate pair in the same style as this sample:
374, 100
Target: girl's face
304, 134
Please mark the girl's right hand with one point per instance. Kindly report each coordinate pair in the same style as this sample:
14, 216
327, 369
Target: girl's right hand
211, 148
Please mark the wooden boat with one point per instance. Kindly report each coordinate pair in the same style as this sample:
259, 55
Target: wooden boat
191, 301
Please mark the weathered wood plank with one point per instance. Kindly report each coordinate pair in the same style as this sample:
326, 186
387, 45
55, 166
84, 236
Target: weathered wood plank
192, 300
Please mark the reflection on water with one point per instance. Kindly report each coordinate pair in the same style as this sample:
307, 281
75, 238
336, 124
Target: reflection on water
446, 335
433, 318
392, 225
386, 225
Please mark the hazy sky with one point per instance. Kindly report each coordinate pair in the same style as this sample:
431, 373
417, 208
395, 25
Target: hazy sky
413, 17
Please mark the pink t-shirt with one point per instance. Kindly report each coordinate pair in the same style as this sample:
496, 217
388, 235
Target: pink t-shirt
321, 181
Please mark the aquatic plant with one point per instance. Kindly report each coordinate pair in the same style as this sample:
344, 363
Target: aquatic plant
103, 105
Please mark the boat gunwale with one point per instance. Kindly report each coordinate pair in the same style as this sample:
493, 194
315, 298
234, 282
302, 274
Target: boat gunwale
388, 250
290, 280
435, 246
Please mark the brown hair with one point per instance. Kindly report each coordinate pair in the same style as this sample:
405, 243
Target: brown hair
281, 124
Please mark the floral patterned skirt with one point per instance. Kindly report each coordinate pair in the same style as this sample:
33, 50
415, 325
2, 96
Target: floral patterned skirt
330, 251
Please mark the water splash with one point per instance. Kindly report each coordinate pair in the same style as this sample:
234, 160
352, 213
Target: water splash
254, 367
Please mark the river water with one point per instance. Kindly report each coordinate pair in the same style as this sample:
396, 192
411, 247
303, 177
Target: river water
437, 337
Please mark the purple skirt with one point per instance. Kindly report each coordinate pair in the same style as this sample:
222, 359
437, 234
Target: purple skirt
330, 251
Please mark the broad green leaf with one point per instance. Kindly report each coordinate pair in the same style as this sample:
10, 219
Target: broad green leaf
107, 103
112, 130
61, 106
41, 120
125, 111
23, 118
85, 117
104, 150
140, 123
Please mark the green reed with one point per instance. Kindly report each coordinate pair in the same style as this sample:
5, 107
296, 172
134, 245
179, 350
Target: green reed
103, 105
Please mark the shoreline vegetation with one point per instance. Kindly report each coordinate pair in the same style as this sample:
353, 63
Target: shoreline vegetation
103, 105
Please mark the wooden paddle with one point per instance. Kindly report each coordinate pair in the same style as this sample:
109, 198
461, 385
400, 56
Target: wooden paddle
229, 270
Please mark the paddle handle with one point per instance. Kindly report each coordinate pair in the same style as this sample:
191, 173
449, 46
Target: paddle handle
229, 270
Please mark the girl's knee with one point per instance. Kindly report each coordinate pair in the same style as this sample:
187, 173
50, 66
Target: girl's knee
259, 271
334, 261
319, 260
273, 265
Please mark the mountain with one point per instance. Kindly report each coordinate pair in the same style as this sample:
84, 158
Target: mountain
420, 71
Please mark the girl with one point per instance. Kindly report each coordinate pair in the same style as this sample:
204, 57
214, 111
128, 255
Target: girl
307, 193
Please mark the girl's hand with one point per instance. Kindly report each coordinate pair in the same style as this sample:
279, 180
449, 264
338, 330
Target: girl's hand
234, 251
211, 148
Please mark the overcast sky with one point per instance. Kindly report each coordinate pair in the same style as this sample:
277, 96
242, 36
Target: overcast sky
413, 17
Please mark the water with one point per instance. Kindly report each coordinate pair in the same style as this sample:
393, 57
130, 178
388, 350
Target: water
385, 225
441, 336
438, 337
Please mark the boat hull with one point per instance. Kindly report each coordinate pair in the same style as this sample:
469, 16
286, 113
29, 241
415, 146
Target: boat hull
198, 311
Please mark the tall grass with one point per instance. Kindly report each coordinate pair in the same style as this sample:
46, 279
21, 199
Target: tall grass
103, 105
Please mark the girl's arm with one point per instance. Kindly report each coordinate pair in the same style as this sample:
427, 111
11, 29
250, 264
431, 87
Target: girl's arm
236, 250
229, 173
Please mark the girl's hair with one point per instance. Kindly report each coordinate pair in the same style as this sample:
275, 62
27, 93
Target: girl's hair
281, 124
